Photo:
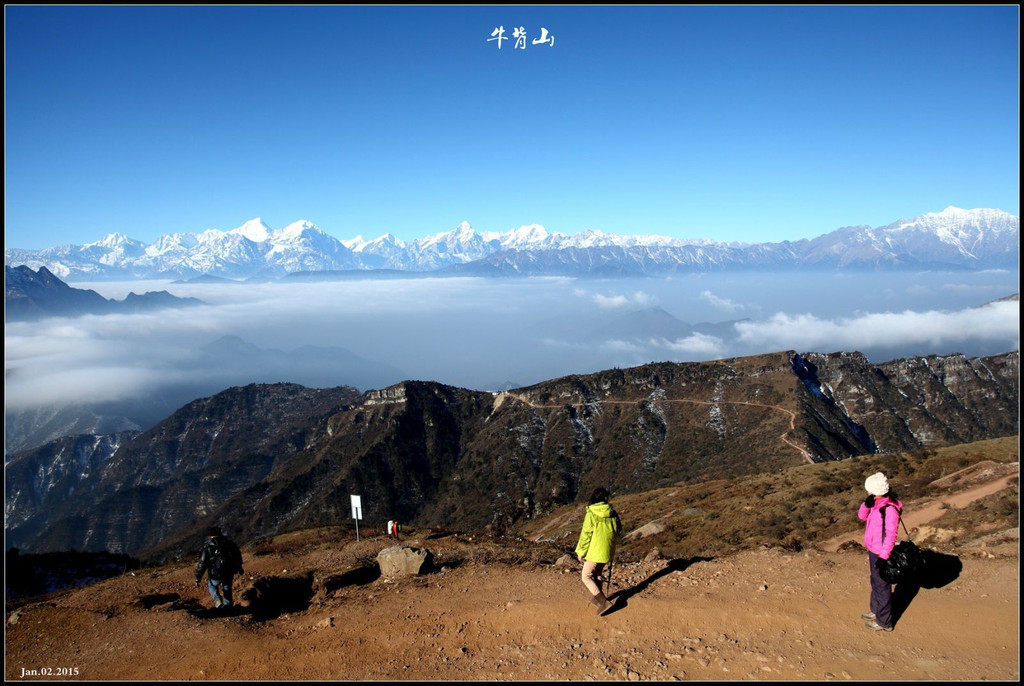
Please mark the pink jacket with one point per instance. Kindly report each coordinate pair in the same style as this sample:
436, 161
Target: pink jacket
879, 541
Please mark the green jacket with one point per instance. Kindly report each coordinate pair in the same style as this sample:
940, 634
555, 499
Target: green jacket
600, 533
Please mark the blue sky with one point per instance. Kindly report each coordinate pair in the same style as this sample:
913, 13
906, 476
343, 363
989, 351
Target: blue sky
730, 123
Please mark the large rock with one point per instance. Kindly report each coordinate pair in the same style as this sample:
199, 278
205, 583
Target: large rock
400, 560
646, 530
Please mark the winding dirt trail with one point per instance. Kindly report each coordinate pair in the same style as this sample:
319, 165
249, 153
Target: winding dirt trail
929, 511
783, 437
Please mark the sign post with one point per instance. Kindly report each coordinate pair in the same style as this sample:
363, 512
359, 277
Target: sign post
357, 511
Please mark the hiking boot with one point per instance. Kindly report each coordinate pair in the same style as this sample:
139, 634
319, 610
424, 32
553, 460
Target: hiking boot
602, 603
870, 616
875, 626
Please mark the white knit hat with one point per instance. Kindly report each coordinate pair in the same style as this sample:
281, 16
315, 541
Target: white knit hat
877, 484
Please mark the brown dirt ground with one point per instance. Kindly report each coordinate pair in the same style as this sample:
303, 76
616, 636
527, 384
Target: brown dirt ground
766, 614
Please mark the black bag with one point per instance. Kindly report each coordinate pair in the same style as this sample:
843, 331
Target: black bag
904, 565
906, 561
225, 559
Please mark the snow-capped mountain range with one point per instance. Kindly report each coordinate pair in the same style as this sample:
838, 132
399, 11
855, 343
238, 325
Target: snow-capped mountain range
951, 239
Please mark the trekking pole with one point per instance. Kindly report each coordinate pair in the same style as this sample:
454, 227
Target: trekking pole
608, 581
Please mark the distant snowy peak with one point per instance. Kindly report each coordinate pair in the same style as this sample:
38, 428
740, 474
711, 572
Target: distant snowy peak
114, 240
355, 244
460, 235
978, 234
254, 229
957, 238
956, 221
359, 244
298, 228
116, 246
172, 242
953, 238
387, 240
527, 237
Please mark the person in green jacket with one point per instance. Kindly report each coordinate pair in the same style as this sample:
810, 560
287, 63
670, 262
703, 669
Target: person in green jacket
596, 547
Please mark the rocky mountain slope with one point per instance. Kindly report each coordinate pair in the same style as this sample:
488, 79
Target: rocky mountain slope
82, 494
717, 594
261, 460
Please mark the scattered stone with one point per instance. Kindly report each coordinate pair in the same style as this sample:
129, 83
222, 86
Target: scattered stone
566, 560
654, 555
645, 531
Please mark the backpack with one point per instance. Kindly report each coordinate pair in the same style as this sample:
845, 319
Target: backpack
224, 558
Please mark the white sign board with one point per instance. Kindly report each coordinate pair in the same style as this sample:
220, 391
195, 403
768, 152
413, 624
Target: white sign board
357, 507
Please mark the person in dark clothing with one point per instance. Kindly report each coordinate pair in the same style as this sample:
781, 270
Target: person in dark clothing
220, 559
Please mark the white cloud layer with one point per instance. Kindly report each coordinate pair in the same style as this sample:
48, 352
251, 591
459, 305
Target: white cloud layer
637, 299
699, 344
480, 333
932, 330
723, 304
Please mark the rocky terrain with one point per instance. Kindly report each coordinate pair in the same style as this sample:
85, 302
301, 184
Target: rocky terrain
265, 459
713, 593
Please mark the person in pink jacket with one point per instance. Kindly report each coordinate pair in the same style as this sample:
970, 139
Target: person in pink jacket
881, 512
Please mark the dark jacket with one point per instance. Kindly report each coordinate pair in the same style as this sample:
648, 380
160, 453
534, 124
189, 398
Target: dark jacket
220, 558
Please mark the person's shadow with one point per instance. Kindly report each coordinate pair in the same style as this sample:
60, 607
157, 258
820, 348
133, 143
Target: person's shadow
174, 601
935, 571
620, 599
267, 598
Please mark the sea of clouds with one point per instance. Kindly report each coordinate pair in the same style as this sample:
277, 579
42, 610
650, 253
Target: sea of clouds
490, 333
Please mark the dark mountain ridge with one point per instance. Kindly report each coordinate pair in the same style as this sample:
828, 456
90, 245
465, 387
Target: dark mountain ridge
264, 459
157, 481
30, 295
